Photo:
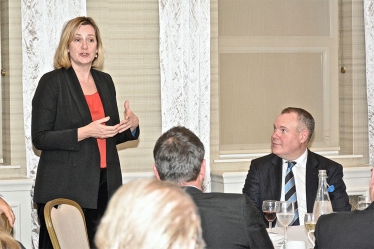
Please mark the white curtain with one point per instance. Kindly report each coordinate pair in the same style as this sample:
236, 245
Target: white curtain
185, 68
369, 46
42, 22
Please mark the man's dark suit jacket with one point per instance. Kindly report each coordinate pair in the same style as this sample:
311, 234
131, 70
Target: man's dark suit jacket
230, 221
346, 230
68, 168
264, 181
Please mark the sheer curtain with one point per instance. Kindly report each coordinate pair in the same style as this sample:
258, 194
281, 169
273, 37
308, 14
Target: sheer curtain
42, 22
185, 68
369, 46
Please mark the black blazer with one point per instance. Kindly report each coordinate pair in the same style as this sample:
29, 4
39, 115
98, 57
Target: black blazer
346, 230
264, 181
229, 221
68, 168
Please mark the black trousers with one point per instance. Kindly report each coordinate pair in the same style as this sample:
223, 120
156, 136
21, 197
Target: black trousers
92, 216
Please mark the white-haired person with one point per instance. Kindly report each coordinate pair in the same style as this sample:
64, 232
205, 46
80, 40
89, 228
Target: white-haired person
150, 214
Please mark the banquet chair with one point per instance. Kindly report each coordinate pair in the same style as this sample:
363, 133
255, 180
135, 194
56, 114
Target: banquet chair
66, 224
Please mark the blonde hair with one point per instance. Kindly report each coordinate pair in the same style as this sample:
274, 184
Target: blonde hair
62, 57
150, 214
7, 241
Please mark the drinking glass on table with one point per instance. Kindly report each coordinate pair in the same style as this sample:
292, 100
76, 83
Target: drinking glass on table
268, 207
310, 226
285, 212
363, 202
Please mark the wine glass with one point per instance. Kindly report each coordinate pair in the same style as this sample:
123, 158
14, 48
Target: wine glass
268, 207
310, 224
285, 212
363, 202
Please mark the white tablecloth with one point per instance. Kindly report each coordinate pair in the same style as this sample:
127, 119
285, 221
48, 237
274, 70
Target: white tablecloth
293, 233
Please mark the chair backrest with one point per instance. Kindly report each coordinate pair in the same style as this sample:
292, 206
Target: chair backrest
66, 224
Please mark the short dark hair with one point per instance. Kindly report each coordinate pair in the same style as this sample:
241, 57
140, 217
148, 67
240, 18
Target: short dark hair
178, 155
304, 118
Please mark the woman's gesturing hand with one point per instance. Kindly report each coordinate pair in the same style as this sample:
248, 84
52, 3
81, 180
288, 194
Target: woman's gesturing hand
131, 120
98, 129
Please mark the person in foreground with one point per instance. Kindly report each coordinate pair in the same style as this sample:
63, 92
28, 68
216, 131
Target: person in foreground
149, 214
76, 125
265, 180
347, 230
6, 240
7, 210
228, 220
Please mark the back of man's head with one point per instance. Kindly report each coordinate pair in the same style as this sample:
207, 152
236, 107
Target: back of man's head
178, 155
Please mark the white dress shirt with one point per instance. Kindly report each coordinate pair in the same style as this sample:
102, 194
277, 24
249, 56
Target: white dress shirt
299, 172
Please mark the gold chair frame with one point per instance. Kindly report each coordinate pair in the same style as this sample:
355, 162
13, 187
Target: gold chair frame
56, 203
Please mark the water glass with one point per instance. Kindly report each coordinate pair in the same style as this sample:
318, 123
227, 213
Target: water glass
363, 202
285, 212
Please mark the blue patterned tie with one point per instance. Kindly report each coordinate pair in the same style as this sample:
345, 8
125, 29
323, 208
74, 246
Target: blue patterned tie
290, 192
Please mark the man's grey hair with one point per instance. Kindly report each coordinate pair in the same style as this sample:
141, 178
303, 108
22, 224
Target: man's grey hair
178, 155
305, 119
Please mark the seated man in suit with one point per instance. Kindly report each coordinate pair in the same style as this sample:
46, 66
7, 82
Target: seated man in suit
228, 220
346, 230
291, 159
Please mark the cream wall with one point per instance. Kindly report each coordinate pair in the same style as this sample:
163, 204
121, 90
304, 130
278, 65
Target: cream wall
14, 152
130, 32
341, 119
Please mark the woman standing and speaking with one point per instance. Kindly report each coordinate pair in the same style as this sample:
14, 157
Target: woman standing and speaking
76, 125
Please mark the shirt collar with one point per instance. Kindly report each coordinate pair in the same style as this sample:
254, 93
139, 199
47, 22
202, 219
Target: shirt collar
301, 160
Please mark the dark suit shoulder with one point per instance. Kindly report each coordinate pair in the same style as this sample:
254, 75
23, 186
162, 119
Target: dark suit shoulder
105, 75
49, 84
270, 159
322, 160
198, 195
265, 158
229, 220
345, 230
52, 75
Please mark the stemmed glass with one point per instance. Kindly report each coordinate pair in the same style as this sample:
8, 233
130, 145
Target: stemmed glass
363, 202
268, 207
310, 224
285, 212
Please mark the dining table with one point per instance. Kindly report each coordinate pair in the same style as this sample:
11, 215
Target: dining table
293, 233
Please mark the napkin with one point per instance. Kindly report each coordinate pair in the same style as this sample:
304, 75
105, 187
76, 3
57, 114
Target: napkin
274, 237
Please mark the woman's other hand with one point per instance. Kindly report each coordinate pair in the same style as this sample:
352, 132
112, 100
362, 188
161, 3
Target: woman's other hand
131, 120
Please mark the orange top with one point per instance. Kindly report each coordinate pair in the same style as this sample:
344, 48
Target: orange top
97, 112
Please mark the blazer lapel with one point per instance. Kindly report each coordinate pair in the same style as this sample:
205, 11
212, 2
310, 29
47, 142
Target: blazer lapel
311, 180
106, 99
77, 94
